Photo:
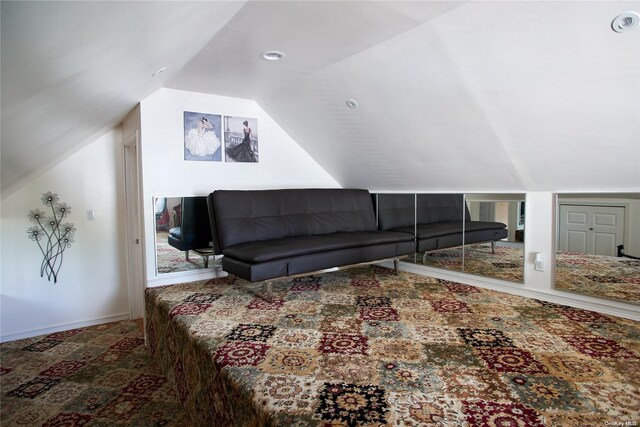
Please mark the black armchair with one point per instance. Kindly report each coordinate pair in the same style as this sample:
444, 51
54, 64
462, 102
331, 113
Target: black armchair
194, 232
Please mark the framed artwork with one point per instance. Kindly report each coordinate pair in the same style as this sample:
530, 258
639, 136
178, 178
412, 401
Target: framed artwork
241, 139
202, 137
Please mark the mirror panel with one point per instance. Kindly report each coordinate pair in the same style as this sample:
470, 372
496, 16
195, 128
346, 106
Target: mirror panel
494, 236
396, 212
169, 216
439, 219
598, 245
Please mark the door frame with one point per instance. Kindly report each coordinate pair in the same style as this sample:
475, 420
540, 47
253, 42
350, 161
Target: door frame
134, 231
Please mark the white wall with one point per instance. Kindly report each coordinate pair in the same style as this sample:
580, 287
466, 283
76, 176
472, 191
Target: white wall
283, 164
91, 285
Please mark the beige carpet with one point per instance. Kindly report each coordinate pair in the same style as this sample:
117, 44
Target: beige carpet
364, 347
615, 278
96, 376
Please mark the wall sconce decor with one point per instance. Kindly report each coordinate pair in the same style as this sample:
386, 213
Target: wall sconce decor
58, 236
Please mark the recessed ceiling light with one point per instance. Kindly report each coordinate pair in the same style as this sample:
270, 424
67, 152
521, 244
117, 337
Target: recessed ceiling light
625, 22
159, 71
272, 55
352, 103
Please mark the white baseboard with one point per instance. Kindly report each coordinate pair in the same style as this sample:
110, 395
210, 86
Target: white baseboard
64, 327
614, 308
184, 276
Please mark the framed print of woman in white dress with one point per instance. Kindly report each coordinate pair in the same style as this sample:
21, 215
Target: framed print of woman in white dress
202, 137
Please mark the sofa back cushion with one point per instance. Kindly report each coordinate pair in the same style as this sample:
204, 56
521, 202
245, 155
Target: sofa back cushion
441, 208
258, 215
396, 211
195, 229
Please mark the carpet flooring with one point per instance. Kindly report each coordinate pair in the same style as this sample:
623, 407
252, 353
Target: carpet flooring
364, 347
96, 376
599, 276
171, 260
505, 264
616, 278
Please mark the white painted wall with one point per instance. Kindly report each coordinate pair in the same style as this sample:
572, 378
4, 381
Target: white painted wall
91, 284
283, 164
538, 237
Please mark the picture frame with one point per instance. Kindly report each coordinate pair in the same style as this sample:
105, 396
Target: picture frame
241, 139
202, 137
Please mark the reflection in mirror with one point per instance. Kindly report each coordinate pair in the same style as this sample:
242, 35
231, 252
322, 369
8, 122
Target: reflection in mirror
396, 212
494, 236
183, 234
439, 220
598, 245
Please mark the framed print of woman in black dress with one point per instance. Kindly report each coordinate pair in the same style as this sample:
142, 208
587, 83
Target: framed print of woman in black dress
241, 139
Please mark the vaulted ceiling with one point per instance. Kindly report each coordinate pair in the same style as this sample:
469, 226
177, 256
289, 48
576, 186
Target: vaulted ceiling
514, 96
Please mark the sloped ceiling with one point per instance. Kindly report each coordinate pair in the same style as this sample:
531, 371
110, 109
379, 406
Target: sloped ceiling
454, 96
72, 70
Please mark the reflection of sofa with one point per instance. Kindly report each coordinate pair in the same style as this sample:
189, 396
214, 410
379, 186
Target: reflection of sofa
436, 220
194, 231
268, 234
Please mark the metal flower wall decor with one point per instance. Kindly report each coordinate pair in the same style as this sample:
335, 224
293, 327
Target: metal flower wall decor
51, 235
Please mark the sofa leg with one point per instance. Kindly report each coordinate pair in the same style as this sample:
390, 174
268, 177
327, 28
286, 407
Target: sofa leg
396, 266
186, 255
268, 289
493, 247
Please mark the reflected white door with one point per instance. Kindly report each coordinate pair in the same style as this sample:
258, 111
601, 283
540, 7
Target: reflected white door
596, 230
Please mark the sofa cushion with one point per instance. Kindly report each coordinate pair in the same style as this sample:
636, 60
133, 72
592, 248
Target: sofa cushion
269, 250
436, 208
315, 261
428, 231
395, 211
260, 215
470, 226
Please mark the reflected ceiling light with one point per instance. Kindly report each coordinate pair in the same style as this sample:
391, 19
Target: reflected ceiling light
159, 71
625, 22
272, 55
352, 103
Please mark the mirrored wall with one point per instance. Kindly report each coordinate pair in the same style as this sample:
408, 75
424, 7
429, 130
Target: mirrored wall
494, 236
598, 245
182, 235
479, 234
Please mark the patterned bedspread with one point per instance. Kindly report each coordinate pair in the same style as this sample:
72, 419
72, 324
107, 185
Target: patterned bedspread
366, 347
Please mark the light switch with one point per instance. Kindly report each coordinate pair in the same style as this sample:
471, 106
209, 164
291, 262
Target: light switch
91, 214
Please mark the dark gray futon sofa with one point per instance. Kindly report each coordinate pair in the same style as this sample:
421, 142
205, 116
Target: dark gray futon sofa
436, 220
269, 234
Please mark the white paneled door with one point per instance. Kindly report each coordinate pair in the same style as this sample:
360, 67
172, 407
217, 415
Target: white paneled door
596, 230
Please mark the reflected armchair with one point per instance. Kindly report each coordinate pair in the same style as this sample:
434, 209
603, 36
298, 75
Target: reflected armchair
194, 232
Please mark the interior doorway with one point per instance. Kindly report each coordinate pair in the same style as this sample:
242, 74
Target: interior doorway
596, 230
133, 227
